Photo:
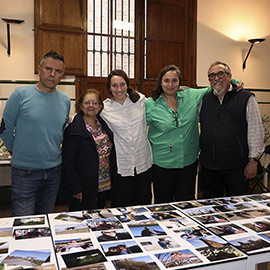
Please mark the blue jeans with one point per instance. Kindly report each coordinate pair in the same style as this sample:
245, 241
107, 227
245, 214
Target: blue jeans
34, 191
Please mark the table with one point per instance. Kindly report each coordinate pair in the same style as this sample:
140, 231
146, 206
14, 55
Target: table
231, 233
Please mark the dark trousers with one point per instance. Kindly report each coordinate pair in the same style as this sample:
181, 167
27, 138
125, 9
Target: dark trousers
215, 182
88, 204
174, 184
34, 191
132, 190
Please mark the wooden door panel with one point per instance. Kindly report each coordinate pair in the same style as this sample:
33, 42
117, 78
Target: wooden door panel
163, 53
66, 44
166, 20
63, 13
60, 25
171, 39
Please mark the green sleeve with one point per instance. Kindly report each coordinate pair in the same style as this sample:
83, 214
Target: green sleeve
234, 81
148, 109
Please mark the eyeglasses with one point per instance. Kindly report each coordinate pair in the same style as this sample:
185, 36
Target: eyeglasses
93, 103
220, 74
175, 116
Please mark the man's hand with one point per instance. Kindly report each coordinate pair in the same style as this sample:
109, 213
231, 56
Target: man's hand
239, 86
251, 169
78, 196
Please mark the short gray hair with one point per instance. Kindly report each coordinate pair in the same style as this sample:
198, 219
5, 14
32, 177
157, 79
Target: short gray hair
227, 68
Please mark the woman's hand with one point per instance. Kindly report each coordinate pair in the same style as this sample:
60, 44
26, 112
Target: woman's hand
78, 196
239, 86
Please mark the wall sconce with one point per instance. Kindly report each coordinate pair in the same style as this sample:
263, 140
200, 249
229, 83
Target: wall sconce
252, 41
9, 21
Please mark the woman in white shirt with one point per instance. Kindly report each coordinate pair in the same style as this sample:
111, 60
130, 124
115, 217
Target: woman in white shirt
125, 114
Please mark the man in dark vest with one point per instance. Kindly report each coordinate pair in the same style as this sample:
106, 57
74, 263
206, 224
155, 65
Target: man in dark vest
232, 135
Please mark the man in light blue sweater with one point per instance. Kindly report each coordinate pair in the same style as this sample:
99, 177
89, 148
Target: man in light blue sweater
32, 128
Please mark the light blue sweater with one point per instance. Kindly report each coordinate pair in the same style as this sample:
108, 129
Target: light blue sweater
34, 123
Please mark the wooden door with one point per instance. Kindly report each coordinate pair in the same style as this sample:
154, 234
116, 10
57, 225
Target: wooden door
170, 38
60, 25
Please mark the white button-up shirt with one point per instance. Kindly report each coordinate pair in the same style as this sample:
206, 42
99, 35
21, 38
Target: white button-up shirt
128, 123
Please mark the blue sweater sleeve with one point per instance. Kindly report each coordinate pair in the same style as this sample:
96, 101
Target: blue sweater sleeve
10, 114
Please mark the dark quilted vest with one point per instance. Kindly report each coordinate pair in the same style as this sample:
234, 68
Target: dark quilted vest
223, 146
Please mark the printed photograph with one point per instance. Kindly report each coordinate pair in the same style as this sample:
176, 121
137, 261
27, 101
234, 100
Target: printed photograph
207, 202
157, 243
70, 229
211, 219
4, 247
31, 258
29, 221
149, 230
6, 232
138, 209
266, 236
123, 218
232, 200
44, 266
72, 217
123, 210
104, 224
142, 223
142, 263
187, 205
73, 245
238, 215
200, 211
97, 214
227, 229
177, 223
178, 258
250, 244
242, 206
121, 248
112, 235
259, 212
225, 208
137, 216
165, 215
258, 197
258, 226
80, 259
266, 203
215, 248
31, 233
160, 207
192, 232
95, 266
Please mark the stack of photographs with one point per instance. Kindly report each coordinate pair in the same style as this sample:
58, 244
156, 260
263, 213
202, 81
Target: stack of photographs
25, 243
138, 237
178, 235
242, 221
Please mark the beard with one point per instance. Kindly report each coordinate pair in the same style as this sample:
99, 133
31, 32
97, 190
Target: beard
219, 92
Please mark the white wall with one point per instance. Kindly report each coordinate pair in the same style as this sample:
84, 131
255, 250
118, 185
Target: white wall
20, 64
224, 28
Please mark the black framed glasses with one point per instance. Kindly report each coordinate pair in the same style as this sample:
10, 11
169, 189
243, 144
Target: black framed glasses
221, 74
175, 116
